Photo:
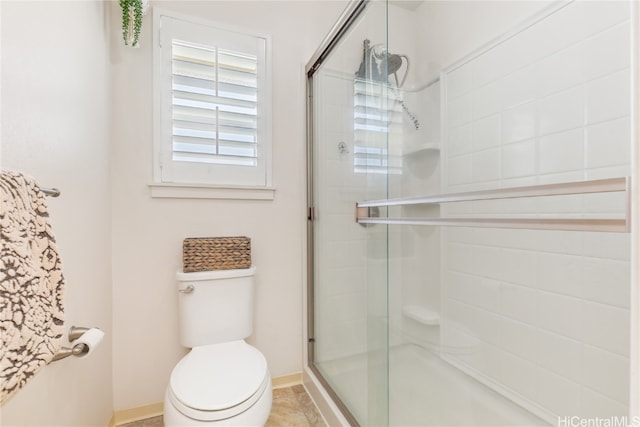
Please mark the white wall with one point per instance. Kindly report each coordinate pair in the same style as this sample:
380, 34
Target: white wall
55, 127
148, 233
543, 316
450, 30
415, 274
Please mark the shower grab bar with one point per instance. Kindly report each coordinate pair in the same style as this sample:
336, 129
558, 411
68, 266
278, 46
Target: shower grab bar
366, 215
53, 192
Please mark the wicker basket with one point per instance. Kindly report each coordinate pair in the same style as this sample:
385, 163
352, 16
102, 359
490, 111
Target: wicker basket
215, 253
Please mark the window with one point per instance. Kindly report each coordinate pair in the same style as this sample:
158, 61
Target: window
212, 122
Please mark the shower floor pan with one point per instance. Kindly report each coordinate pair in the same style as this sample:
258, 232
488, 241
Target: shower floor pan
424, 390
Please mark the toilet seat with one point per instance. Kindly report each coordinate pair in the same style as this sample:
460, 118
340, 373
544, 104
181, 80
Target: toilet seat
218, 381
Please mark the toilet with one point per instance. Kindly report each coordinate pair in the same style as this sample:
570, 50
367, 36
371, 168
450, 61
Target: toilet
222, 380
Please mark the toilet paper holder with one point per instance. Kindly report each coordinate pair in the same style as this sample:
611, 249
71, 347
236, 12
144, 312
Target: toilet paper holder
80, 349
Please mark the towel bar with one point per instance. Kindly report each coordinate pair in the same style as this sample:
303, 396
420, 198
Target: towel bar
53, 192
365, 213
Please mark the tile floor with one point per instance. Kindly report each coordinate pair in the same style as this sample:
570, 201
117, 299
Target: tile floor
148, 422
292, 407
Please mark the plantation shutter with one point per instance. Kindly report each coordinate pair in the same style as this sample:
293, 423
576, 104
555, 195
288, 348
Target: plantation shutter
214, 104
215, 126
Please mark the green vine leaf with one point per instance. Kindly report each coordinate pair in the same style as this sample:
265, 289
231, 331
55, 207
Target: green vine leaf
131, 9
125, 6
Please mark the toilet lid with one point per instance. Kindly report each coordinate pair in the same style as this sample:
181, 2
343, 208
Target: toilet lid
218, 376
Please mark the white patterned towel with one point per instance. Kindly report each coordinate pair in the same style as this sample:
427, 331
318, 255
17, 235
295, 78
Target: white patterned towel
31, 284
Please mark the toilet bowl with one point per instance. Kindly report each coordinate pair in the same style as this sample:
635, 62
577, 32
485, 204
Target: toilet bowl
222, 380
219, 384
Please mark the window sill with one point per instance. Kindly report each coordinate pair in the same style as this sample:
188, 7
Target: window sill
204, 191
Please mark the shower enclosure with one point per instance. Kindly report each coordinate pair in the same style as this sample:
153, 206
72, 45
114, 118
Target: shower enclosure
472, 170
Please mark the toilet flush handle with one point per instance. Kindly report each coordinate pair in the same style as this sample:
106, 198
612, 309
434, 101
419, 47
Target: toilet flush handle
187, 290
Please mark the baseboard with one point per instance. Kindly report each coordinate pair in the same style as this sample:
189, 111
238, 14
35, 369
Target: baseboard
136, 414
287, 380
148, 411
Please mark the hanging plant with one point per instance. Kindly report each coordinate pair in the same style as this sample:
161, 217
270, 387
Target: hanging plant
132, 12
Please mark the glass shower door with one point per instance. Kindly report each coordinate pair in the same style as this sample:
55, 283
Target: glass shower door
497, 291
498, 314
350, 162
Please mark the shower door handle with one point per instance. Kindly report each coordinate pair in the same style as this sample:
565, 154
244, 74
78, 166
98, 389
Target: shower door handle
366, 212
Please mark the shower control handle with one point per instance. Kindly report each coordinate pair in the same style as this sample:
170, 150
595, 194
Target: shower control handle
189, 289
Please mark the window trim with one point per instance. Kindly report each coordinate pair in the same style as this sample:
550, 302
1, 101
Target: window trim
160, 188
170, 190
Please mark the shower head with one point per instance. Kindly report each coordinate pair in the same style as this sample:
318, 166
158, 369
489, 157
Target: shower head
391, 63
377, 64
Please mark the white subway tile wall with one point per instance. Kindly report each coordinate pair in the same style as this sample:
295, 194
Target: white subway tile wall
351, 296
543, 314
348, 253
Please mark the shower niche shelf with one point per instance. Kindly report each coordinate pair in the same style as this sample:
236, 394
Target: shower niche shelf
421, 148
421, 315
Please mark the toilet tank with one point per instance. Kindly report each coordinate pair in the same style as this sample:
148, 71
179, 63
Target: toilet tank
215, 306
